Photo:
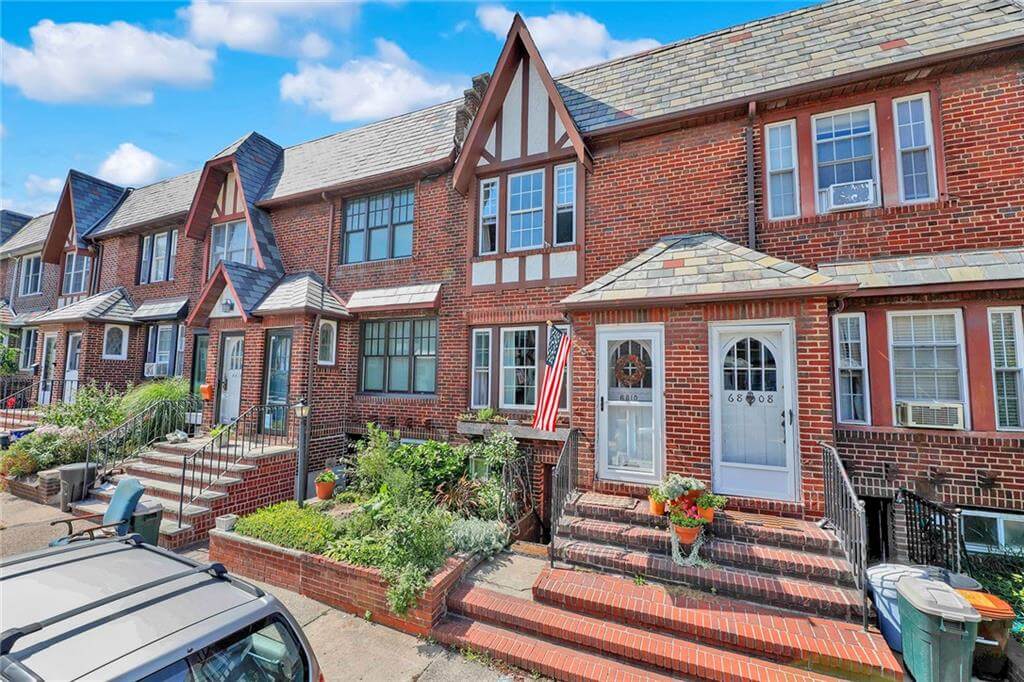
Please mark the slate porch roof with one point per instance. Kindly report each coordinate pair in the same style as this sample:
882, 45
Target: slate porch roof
161, 309
250, 283
29, 238
25, 319
702, 267
796, 48
109, 306
395, 298
953, 267
303, 291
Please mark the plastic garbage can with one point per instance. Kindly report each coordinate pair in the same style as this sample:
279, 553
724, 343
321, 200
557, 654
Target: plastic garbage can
958, 581
75, 481
146, 521
882, 581
993, 633
939, 629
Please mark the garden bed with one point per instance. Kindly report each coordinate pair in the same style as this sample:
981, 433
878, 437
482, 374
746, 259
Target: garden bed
42, 487
358, 590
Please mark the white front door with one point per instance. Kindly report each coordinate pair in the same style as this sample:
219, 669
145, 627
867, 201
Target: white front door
752, 422
630, 416
46, 368
71, 366
232, 360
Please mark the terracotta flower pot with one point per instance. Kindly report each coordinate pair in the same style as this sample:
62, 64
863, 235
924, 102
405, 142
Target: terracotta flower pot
694, 494
325, 490
687, 534
657, 506
706, 513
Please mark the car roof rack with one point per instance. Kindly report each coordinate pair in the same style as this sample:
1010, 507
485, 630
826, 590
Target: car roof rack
135, 539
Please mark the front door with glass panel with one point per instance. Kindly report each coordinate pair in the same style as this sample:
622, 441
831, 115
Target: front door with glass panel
71, 366
232, 360
47, 369
279, 359
752, 430
629, 403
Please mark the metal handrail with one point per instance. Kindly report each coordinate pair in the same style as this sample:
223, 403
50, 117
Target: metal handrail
563, 484
254, 430
933, 531
14, 406
844, 513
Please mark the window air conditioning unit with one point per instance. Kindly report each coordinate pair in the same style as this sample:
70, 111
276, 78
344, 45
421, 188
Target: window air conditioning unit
155, 369
930, 415
857, 194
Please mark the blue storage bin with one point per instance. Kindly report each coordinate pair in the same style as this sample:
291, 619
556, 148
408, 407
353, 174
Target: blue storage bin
882, 580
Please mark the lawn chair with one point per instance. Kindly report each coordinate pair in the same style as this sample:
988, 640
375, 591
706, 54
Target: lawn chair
115, 520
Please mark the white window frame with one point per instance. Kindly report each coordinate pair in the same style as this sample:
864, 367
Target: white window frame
320, 360
501, 368
870, 106
1018, 330
122, 353
249, 248
862, 323
71, 261
795, 168
148, 272
933, 189
486, 369
26, 360
555, 206
964, 382
480, 215
1000, 529
27, 275
509, 212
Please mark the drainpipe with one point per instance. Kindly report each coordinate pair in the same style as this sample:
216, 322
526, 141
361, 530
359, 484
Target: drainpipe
751, 215
330, 239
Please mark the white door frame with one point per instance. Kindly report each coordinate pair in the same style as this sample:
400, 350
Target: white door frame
790, 389
45, 371
656, 334
222, 380
71, 389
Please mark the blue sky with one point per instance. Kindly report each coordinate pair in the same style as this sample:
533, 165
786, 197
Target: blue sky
138, 91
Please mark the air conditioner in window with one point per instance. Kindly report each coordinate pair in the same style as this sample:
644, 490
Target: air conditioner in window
929, 415
155, 369
855, 194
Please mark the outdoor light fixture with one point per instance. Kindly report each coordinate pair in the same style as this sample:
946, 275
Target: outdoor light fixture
227, 305
301, 409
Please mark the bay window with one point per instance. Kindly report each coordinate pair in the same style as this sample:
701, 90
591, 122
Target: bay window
928, 366
77, 268
852, 402
31, 275
487, 240
379, 227
1007, 342
781, 162
159, 252
399, 356
845, 155
519, 367
565, 204
915, 158
230, 242
526, 210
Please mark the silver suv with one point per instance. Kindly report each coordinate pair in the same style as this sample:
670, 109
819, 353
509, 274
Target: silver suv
119, 609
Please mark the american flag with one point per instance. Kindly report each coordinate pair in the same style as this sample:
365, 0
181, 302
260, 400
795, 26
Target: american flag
550, 393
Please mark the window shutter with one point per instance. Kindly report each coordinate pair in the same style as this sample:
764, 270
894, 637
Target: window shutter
1004, 340
145, 259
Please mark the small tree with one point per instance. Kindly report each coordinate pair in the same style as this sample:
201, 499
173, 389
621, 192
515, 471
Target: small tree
8, 354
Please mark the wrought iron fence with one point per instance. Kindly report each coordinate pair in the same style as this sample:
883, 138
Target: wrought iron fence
845, 516
563, 483
18, 408
256, 429
933, 531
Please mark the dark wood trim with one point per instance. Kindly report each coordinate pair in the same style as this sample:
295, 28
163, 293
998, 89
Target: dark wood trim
60, 226
233, 217
524, 163
524, 107
497, 136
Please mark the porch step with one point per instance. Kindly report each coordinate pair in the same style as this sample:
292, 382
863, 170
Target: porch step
168, 527
172, 474
822, 644
247, 450
173, 460
763, 588
172, 491
170, 506
664, 653
749, 555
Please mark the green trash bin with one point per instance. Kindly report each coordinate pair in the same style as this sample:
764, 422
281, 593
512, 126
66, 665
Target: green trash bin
146, 520
939, 630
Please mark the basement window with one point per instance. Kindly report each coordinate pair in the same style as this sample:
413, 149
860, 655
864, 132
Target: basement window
990, 531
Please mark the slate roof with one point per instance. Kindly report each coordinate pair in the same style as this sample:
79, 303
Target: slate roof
252, 284
701, 266
795, 48
256, 157
110, 306
164, 199
398, 298
10, 223
937, 268
92, 200
30, 237
301, 291
25, 319
161, 309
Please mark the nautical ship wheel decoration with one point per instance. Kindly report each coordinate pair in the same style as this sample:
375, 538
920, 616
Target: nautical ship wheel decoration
630, 370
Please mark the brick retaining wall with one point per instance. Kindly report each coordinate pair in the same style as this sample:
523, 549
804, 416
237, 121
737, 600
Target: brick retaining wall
43, 487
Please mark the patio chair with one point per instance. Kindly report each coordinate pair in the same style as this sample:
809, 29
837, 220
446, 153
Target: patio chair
114, 521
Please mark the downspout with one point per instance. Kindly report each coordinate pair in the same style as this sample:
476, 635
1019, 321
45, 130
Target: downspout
751, 213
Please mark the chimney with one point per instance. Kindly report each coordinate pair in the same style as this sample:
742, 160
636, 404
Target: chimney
471, 100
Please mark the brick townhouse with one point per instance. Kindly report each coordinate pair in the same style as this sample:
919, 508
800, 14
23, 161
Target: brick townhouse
793, 231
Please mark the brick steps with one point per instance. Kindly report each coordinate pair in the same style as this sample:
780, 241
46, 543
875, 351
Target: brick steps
667, 653
746, 555
763, 588
170, 506
172, 490
205, 464
168, 527
160, 472
823, 644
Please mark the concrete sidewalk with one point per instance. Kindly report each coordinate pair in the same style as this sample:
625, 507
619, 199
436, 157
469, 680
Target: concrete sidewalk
25, 526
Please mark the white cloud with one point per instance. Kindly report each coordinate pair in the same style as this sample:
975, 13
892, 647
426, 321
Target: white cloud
116, 62
567, 41
132, 166
365, 88
268, 27
36, 185
31, 207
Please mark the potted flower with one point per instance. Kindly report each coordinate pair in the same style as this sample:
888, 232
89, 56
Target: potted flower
657, 499
687, 525
678, 488
325, 484
708, 503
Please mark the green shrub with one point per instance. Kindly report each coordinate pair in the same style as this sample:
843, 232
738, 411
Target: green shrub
287, 525
142, 396
1002, 574
477, 536
14, 463
47, 447
433, 462
374, 458
95, 409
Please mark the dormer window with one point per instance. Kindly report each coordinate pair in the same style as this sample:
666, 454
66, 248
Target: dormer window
230, 242
526, 210
77, 267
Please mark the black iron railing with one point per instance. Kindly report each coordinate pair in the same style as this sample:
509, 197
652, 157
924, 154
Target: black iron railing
141, 430
256, 429
933, 531
563, 484
845, 516
15, 383
18, 407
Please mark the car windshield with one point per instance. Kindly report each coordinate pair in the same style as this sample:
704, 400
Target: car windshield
266, 650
